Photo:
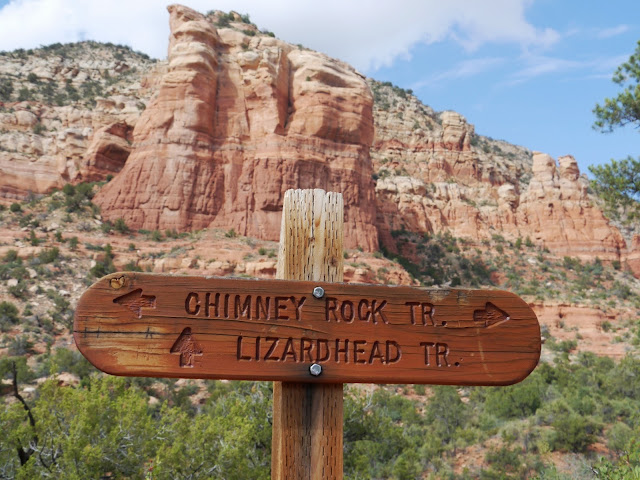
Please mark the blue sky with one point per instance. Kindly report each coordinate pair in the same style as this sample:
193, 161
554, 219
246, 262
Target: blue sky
541, 98
525, 71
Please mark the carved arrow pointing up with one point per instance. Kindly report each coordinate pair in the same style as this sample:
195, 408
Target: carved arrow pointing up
135, 301
187, 348
490, 316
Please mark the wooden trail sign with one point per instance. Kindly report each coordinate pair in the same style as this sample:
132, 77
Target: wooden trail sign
142, 324
306, 332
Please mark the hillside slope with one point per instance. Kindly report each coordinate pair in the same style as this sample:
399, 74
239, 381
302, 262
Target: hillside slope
111, 161
236, 117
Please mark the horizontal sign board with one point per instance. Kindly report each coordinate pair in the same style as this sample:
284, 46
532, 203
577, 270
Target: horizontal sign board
141, 324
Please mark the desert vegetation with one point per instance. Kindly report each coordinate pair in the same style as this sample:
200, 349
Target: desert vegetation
65, 419
576, 416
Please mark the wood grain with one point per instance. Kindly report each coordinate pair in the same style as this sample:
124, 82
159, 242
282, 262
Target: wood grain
134, 329
308, 422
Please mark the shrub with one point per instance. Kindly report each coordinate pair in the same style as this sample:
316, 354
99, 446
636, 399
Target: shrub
565, 346
19, 290
619, 436
20, 345
68, 190
62, 312
6, 89
15, 208
504, 460
231, 234
8, 315
106, 227
25, 95
104, 266
132, 267
573, 432
39, 128
33, 240
120, 226
625, 467
10, 256
49, 255
73, 243
624, 379
79, 196
66, 360
520, 400
225, 20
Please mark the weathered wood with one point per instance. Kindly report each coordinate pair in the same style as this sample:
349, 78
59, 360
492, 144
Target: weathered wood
308, 418
144, 324
141, 324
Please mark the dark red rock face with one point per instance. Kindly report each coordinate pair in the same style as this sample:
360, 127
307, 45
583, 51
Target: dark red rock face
236, 122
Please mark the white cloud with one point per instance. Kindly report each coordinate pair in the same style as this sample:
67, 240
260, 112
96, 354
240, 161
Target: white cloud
366, 34
466, 68
30, 23
536, 66
613, 31
543, 66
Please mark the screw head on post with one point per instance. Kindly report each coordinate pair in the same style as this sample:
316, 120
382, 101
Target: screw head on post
318, 292
315, 369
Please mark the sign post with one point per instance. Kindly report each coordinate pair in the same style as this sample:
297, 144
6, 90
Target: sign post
307, 332
306, 440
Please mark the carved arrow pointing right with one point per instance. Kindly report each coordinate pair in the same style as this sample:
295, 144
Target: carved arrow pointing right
490, 316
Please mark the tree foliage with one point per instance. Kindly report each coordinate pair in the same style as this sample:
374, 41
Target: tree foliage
109, 427
618, 184
625, 108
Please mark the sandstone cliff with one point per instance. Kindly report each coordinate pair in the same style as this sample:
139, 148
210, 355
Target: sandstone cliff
239, 118
66, 112
436, 175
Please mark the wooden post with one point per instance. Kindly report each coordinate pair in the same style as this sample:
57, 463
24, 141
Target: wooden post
307, 418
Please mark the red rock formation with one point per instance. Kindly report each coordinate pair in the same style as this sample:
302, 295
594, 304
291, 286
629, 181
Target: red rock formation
456, 132
563, 320
556, 211
46, 144
237, 121
632, 257
107, 152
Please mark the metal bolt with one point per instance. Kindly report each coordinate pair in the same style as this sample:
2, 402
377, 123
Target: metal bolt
315, 369
318, 292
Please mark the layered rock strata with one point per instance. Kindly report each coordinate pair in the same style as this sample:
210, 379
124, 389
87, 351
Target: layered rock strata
66, 114
239, 118
436, 175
